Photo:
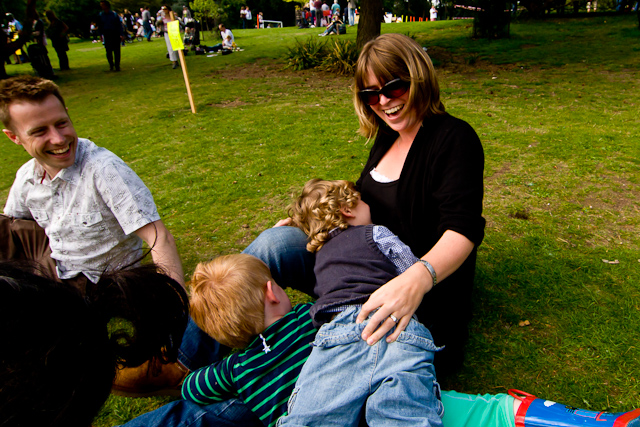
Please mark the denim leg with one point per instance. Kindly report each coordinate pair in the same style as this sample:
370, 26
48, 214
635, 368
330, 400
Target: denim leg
284, 250
198, 349
343, 373
405, 389
182, 413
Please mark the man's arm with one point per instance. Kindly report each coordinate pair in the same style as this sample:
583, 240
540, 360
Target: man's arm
163, 248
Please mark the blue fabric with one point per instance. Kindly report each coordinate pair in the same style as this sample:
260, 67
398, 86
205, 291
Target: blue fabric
393, 248
284, 250
396, 382
545, 413
198, 349
181, 413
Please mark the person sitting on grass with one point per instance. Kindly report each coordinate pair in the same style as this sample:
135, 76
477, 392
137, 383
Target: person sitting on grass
333, 26
235, 300
344, 374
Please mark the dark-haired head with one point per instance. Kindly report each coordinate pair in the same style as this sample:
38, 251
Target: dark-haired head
58, 358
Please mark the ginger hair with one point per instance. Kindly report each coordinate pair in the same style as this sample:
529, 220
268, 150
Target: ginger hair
317, 210
227, 298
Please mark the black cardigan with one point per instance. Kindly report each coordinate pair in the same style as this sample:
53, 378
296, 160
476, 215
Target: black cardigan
440, 188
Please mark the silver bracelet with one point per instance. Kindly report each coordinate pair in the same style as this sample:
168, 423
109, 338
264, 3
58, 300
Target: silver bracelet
432, 270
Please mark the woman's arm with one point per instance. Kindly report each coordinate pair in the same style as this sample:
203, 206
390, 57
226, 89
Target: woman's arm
402, 295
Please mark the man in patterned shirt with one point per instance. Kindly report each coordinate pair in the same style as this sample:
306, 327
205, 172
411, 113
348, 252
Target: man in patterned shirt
76, 208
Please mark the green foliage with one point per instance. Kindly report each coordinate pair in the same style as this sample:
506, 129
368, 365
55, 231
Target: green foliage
16, 7
306, 54
335, 55
207, 10
341, 57
77, 14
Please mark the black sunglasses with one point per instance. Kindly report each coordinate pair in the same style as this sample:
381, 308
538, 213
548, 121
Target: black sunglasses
393, 89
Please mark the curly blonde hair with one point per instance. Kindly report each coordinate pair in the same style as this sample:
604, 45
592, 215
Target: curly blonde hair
227, 298
317, 210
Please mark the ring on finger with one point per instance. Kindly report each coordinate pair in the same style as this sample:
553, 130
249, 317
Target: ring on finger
394, 318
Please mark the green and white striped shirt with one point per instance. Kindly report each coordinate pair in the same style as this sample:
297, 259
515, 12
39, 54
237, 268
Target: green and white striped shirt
263, 374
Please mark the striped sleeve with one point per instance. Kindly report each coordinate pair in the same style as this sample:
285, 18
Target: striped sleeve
210, 384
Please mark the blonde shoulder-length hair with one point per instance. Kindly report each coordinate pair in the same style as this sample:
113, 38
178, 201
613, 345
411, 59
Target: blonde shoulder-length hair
396, 56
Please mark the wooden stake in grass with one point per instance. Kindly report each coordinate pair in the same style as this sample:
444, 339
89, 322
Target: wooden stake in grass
173, 27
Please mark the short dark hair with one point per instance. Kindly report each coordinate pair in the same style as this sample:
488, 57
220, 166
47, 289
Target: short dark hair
25, 88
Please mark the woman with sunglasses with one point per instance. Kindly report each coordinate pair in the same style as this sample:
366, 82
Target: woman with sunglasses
423, 181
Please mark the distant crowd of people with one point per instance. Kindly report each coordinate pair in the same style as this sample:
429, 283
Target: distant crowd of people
317, 13
56, 34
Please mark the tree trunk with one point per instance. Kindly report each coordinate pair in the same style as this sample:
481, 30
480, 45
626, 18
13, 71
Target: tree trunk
370, 21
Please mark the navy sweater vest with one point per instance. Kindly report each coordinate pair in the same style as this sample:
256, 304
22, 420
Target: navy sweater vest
349, 268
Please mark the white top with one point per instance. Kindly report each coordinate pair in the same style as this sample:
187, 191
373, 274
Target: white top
89, 210
225, 34
248, 15
434, 12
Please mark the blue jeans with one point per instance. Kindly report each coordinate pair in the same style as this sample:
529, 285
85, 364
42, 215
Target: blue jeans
147, 29
284, 250
352, 16
396, 382
182, 413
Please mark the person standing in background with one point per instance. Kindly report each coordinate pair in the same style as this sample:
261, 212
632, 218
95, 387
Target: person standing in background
352, 12
146, 23
112, 34
249, 17
243, 17
58, 35
168, 16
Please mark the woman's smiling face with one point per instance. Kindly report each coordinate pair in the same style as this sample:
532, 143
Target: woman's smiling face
391, 110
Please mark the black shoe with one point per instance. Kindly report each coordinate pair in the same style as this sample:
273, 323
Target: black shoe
117, 68
175, 65
110, 67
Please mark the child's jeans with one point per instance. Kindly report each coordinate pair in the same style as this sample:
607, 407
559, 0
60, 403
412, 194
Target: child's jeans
396, 382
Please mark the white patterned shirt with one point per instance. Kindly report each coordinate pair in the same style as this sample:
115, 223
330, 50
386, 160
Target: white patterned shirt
89, 210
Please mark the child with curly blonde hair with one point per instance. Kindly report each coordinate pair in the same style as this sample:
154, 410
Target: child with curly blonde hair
343, 373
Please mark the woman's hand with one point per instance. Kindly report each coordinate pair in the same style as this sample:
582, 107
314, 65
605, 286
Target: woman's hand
282, 222
402, 296
399, 297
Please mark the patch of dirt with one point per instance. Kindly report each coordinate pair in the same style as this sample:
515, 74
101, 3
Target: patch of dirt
229, 104
269, 69
497, 174
468, 63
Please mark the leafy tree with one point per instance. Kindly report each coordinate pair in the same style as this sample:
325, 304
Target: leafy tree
15, 7
77, 14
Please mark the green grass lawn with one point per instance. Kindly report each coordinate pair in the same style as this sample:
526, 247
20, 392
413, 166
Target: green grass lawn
557, 107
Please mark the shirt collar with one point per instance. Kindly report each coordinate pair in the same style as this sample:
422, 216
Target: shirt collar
70, 174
